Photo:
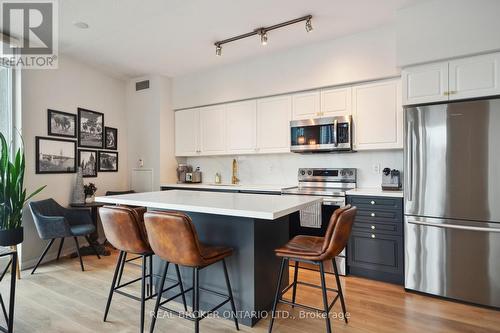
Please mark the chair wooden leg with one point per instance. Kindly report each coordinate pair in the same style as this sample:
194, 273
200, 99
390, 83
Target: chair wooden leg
181, 286
339, 288
113, 285
230, 292
78, 252
43, 255
93, 247
158, 298
18, 270
295, 275
325, 297
277, 295
60, 248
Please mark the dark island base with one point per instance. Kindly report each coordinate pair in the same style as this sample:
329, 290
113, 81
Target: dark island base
253, 267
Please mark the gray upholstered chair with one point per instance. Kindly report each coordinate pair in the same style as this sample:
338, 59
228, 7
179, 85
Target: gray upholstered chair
54, 221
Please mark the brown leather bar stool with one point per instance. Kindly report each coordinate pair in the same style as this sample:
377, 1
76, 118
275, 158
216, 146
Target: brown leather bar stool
174, 239
124, 228
316, 250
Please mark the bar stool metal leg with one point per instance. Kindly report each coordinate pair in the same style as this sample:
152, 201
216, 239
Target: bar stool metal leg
158, 298
113, 284
143, 292
295, 274
196, 300
277, 295
150, 289
179, 278
325, 297
230, 292
339, 288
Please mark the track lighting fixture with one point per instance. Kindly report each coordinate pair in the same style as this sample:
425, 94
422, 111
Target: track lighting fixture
263, 37
309, 26
263, 32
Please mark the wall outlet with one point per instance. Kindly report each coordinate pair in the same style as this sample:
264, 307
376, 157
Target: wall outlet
376, 168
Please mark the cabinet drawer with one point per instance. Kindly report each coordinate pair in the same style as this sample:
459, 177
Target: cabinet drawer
380, 203
376, 252
372, 215
378, 228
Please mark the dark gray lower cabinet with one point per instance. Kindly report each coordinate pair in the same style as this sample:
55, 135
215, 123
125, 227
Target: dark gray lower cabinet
375, 248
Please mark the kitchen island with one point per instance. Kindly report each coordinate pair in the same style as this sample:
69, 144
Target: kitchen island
252, 224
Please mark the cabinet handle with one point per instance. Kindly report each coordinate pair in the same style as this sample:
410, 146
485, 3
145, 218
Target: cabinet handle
373, 235
453, 92
372, 202
373, 227
372, 214
446, 93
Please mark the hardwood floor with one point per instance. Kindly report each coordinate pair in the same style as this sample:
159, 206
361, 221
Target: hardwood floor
61, 298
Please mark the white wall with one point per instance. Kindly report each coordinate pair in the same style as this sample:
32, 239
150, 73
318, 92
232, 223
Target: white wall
364, 56
441, 29
72, 85
150, 122
281, 169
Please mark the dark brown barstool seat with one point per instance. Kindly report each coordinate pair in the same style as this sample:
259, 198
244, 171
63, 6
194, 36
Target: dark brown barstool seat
173, 238
316, 250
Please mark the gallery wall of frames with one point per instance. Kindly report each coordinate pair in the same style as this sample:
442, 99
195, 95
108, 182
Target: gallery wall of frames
75, 140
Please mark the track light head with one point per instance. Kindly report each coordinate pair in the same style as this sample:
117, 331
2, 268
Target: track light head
309, 26
263, 37
218, 50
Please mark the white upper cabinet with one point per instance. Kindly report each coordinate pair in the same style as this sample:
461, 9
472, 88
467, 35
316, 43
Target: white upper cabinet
241, 127
425, 83
378, 115
213, 130
306, 105
187, 124
336, 102
475, 76
273, 124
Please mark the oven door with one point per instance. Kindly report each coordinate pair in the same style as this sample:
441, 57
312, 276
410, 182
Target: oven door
330, 204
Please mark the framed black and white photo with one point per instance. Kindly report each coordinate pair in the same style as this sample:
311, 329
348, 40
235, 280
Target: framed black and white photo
55, 155
87, 160
90, 129
108, 161
110, 138
61, 123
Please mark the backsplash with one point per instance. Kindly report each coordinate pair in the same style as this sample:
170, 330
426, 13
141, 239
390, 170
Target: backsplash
282, 168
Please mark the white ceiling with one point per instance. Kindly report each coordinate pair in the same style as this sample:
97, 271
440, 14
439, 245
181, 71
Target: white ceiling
174, 37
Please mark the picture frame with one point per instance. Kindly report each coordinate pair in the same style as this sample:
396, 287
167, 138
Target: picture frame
111, 138
87, 160
54, 155
90, 129
108, 161
61, 123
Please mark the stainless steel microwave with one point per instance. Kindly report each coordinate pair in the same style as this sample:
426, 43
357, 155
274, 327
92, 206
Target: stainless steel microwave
327, 134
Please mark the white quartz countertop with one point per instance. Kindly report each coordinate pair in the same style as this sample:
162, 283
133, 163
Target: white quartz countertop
375, 191
259, 206
231, 187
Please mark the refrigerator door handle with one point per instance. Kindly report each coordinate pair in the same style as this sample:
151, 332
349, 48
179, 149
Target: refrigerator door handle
451, 226
409, 160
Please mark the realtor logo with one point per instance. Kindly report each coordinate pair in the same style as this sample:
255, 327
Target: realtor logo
31, 29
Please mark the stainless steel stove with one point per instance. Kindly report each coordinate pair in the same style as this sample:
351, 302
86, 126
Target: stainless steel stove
330, 184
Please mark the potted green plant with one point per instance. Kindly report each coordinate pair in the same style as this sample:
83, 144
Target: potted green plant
89, 190
13, 195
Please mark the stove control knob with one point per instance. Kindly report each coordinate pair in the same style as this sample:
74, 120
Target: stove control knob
309, 172
302, 172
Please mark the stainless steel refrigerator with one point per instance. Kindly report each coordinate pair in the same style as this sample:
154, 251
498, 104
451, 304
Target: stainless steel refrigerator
452, 200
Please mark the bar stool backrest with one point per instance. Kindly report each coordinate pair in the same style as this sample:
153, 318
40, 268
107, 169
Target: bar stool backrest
173, 238
124, 229
336, 240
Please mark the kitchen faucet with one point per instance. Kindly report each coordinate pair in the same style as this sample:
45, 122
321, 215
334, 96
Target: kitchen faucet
234, 178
